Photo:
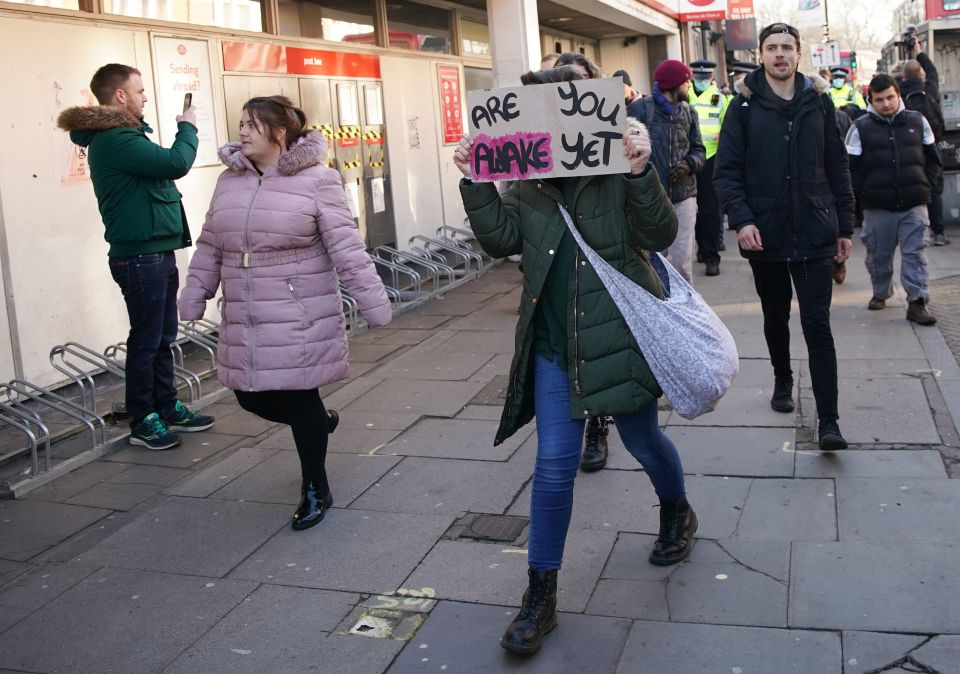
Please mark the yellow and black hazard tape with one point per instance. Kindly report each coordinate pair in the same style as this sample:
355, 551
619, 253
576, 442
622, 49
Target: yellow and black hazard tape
326, 130
372, 135
377, 163
349, 132
352, 164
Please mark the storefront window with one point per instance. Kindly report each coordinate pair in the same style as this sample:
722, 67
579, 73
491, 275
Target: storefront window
59, 4
238, 14
335, 20
477, 78
418, 27
476, 38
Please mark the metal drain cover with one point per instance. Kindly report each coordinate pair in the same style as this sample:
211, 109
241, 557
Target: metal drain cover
501, 528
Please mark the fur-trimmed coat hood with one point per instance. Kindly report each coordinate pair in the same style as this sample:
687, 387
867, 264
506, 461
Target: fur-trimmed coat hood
95, 118
309, 150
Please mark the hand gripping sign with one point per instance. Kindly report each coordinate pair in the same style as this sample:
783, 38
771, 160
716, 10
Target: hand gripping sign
547, 130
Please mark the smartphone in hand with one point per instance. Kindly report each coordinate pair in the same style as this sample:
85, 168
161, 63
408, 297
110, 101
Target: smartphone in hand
187, 101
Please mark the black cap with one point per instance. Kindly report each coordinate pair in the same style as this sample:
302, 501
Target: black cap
703, 66
839, 70
626, 78
743, 67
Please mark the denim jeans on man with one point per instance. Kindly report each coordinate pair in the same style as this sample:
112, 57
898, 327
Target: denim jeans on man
558, 458
149, 284
813, 280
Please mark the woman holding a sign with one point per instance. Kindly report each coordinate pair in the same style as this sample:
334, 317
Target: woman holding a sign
575, 356
280, 238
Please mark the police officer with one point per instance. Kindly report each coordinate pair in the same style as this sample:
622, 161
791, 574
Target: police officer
710, 105
842, 92
738, 71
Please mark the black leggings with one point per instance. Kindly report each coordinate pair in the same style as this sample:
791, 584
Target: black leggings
304, 412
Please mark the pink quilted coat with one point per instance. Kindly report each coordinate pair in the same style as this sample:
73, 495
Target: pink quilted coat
280, 244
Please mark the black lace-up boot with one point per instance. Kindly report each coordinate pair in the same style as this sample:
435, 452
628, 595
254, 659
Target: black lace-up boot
315, 499
782, 400
595, 445
830, 438
678, 524
538, 614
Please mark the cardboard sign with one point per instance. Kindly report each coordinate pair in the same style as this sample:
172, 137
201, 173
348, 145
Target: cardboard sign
548, 130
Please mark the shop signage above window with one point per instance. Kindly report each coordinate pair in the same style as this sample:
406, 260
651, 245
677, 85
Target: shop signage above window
739, 9
703, 10
254, 57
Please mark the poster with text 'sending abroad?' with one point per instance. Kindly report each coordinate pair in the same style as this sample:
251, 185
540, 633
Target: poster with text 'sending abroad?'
547, 130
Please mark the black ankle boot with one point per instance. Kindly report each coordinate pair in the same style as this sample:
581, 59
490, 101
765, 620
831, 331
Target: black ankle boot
595, 445
313, 505
782, 400
678, 523
333, 419
538, 614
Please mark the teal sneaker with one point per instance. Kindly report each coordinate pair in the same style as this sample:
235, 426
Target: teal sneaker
185, 421
152, 433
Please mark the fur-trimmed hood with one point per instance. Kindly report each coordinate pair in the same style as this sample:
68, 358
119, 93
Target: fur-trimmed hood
96, 118
309, 150
815, 82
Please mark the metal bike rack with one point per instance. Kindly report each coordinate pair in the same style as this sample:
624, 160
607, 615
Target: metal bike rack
437, 270
192, 331
68, 353
398, 293
351, 308
194, 388
465, 238
20, 420
19, 389
430, 245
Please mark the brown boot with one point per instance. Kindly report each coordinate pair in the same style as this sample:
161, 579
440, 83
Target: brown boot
917, 313
876, 304
839, 272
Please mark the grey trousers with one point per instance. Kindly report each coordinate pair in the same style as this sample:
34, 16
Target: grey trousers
882, 231
680, 251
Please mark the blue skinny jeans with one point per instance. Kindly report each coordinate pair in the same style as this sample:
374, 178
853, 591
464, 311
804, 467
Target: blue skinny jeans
560, 440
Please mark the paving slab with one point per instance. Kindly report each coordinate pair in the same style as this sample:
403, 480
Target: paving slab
371, 353
872, 652
413, 396
10, 570
114, 496
456, 304
498, 366
466, 570
881, 340
439, 366
96, 622
208, 480
30, 527
190, 536
477, 341
194, 448
76, 481
157, 475
344, 439
886, 410
494, 391
908, 588
899, 511
351, 550
900, 463
268, 632
277, 480
941, 653
456, 439
350, 391
8, 618
481, 412
656, 647
789, 510
42, 584
461, 637
381, 421
451, 486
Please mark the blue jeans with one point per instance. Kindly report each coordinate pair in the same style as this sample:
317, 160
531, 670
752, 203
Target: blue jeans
149, 284
560, 439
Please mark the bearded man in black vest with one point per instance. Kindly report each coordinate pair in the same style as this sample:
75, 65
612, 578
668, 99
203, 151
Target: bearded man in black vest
894, 164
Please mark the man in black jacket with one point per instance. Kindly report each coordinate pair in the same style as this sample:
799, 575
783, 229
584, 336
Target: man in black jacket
920, 91
783, 180
894, 162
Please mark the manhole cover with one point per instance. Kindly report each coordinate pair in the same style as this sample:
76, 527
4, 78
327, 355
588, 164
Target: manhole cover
495, 528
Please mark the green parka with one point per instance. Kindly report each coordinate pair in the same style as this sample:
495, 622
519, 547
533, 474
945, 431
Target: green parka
621, 218
133, 178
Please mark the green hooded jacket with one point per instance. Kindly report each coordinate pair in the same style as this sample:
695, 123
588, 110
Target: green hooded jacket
621, 218
133, 178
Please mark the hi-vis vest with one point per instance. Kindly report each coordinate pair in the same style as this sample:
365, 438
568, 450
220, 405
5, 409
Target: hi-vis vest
846, 95
711, 106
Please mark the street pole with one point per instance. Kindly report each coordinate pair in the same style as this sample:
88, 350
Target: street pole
826, 22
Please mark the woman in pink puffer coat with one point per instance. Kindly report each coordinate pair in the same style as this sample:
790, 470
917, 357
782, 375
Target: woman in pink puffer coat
279, 237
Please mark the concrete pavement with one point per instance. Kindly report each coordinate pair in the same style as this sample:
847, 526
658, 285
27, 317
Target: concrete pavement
183, 561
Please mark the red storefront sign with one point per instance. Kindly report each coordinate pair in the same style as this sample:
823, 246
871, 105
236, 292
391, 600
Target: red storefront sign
703, 10
451, 116
739, 9
253, 57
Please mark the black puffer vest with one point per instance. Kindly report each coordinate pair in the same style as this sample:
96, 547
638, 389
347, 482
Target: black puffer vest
893, 161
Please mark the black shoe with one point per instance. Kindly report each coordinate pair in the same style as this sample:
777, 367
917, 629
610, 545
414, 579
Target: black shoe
182, 420
538, 614
713, 269
830, 438
699, 256
333, 420
595, 445
782, 400
153, 434
313, 506
678, 524
722, 246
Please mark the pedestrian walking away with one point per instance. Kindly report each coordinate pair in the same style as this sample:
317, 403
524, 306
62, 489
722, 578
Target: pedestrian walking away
711, 107
678, 152
144, 223
783, 179
279, 238
558, 376
894, 163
